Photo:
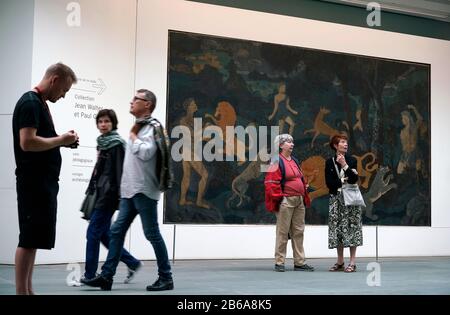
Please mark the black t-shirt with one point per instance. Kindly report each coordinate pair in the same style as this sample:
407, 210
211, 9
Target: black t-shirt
31, 112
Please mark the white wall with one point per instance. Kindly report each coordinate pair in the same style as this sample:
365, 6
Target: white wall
100, 50
103, 47
16, 40
155, 18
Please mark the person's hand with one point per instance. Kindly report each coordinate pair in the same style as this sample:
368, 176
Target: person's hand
134, 131
136, 128
341, 160
270, 117
411, 106
295, 112
69, 138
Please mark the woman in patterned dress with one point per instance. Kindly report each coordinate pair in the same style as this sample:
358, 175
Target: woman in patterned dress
344, 222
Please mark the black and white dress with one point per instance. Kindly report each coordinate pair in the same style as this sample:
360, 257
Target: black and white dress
344, 222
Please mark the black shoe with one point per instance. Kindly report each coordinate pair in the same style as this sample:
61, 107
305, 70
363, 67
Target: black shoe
303, 267
83, 279
161, 285
99, 282
279, 268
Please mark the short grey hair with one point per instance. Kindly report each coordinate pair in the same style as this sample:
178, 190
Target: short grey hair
61, 70
280, 139
149, 96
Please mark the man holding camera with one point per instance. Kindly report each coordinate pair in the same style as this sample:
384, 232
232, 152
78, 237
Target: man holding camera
38, 164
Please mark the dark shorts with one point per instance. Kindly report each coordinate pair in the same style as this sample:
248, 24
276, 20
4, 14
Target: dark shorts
36, 200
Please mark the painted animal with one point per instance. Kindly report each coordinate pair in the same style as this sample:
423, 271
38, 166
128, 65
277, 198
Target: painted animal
224, 116
240, 185
321, 127
379, 187
366, 171
314, 171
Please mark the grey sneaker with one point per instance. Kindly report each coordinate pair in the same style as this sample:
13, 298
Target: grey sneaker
303, 267
279, 268
132, 273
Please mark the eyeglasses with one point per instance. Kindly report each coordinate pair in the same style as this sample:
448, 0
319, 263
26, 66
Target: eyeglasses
139, 98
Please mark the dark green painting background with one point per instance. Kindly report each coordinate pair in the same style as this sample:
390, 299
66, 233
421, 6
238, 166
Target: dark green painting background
247, 75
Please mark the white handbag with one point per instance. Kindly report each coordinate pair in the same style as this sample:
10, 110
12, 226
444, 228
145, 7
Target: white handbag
351, 193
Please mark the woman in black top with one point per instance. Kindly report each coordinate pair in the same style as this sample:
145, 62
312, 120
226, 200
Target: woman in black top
106, 181
344, 222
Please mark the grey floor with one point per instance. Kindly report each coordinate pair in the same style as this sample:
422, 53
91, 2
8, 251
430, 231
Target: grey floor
411, 275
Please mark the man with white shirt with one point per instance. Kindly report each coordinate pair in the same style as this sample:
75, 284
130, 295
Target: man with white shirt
139, 195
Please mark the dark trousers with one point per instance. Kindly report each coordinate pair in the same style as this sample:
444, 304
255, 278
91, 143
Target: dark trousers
99, 231
128, 210
37, 203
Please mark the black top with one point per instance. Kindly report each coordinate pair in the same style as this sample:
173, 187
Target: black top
30, 111
331, 177
106, 177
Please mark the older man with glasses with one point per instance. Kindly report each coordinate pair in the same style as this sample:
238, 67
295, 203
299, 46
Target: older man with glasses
140, 192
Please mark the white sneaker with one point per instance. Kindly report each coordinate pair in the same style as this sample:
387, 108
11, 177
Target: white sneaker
74, 283
132, 273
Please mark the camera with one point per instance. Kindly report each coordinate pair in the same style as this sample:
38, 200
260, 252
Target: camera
74, 145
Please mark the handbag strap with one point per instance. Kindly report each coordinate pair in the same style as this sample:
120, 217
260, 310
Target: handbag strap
337, 170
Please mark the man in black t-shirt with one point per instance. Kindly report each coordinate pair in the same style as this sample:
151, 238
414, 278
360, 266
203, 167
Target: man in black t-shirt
38, 163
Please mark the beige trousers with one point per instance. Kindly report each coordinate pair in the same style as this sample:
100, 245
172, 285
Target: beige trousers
290, 220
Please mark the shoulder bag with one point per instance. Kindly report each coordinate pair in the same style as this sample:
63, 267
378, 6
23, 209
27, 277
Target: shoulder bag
351, 193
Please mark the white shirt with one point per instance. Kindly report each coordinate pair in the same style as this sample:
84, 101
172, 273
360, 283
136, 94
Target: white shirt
139, 166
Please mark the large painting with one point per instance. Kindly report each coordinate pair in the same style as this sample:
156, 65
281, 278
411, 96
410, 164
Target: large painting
382, 105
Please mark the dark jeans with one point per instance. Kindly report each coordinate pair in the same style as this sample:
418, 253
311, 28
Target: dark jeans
128, 210
98, 231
